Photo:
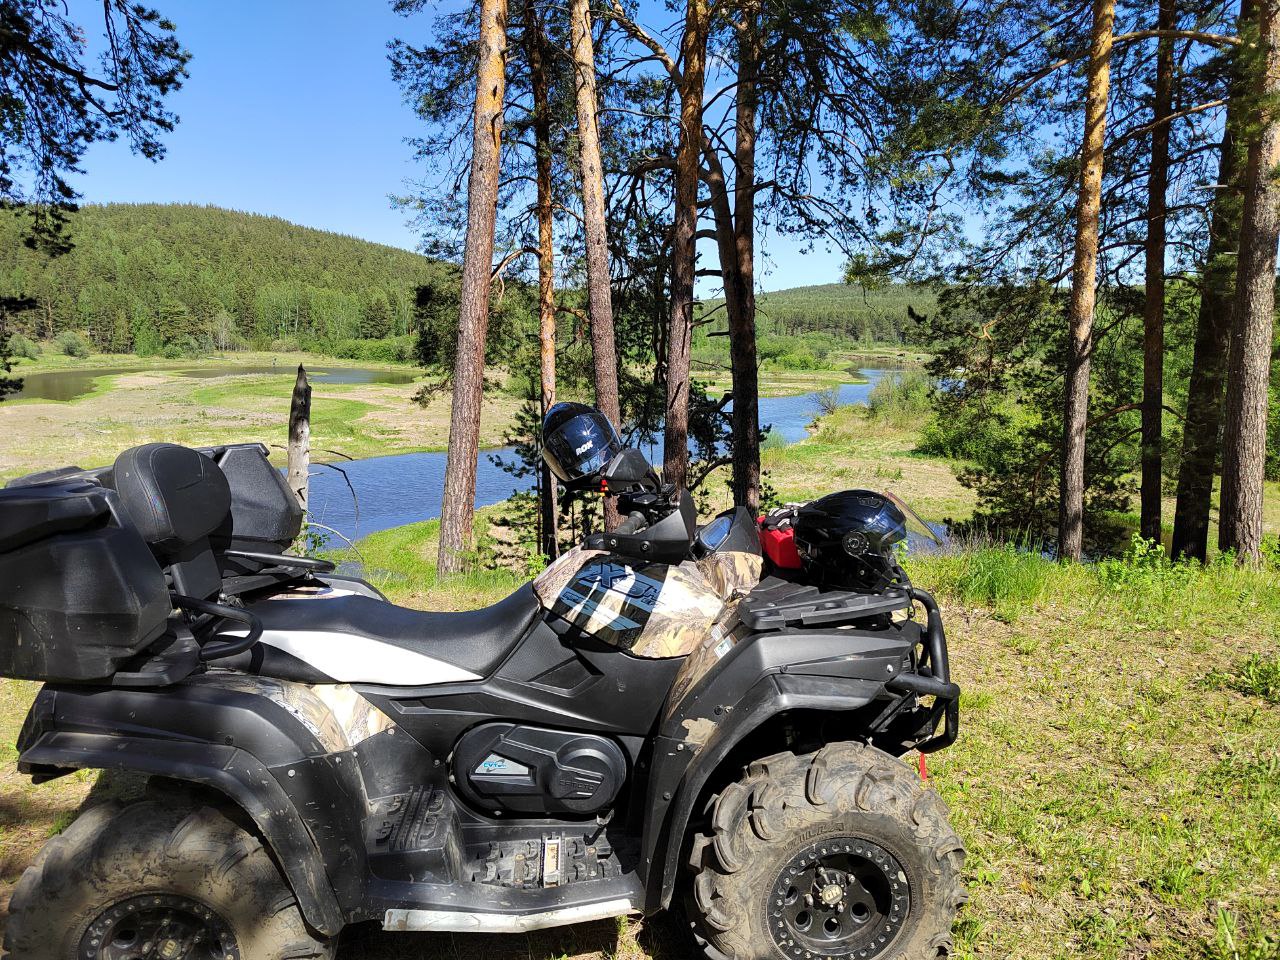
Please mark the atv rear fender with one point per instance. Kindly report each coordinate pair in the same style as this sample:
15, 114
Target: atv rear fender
305, 798
763, 676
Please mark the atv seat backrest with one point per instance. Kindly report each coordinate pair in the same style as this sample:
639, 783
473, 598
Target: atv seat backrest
176, 497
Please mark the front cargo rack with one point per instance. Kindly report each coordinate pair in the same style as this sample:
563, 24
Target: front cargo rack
778, 604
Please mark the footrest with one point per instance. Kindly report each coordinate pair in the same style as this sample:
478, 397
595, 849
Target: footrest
418, 826
551, 860
407, 835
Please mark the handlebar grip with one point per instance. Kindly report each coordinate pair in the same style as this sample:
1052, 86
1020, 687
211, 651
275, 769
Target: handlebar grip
634, 523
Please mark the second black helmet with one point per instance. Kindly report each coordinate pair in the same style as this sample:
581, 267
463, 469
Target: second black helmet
578, 442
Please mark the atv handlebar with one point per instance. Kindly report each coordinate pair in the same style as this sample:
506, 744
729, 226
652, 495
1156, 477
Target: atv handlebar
635, 522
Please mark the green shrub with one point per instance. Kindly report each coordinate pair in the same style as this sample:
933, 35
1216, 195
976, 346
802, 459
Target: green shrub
828, 400
902, 397
976, 432
344, 349
285, 345
184, 348
72, 344
519, 384
387, 350
1143, 565
22, 347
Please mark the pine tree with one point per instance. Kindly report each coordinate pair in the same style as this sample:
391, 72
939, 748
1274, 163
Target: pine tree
375, 322
458, 507
52, 106
1084, 285
1253, 317
599, 293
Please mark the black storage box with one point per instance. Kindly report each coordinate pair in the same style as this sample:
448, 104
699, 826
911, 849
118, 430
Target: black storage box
265, 516
80, 592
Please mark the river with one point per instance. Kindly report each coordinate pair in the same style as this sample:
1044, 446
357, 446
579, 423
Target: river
406, 488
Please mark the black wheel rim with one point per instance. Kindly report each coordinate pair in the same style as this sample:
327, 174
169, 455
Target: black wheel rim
159, 927
840, 897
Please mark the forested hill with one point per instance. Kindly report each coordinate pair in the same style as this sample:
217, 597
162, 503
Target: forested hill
837, 309
181, 278
148, 277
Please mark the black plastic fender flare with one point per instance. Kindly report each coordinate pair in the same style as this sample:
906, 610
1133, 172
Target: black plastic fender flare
230, 771
757, 677
70, 729
672, 809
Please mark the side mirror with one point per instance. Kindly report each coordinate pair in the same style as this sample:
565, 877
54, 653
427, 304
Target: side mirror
629, 472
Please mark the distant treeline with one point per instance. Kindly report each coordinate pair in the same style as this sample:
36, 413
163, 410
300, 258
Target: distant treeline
892, 314
155, 279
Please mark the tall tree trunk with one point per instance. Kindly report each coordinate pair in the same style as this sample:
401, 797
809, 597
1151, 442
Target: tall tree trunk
1200, 439
722, 210
1084, 277
1153, 306
535, 48
604, 352
1249, 360
458, 508
299, 467
742, 321
693, 52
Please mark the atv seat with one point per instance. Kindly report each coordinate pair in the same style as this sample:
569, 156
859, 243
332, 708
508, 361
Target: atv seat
358, 639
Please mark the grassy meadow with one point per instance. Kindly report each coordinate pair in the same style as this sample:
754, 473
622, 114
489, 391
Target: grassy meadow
153, 401
156, 402
1117, 776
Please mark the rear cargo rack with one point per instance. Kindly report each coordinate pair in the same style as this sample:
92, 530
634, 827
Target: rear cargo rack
777, 604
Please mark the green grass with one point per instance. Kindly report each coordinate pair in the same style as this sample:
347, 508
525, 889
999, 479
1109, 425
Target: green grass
1117, 797
1256, 676
401, 562
52, 360
154, 403
1006, 580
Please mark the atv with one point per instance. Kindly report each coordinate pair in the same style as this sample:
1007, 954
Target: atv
707, 715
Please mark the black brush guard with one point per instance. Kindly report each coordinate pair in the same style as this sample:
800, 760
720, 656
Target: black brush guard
932, 678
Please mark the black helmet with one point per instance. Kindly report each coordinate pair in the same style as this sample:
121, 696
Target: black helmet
578, 442
848, 539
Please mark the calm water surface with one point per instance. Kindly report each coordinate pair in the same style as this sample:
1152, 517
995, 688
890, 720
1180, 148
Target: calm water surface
406, 488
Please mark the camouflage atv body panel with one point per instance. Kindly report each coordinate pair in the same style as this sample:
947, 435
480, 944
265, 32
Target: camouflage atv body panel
652, 610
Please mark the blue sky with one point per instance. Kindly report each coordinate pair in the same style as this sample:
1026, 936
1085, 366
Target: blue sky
290, 110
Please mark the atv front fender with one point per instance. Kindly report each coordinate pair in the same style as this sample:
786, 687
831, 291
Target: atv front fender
240, 744
758, 678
